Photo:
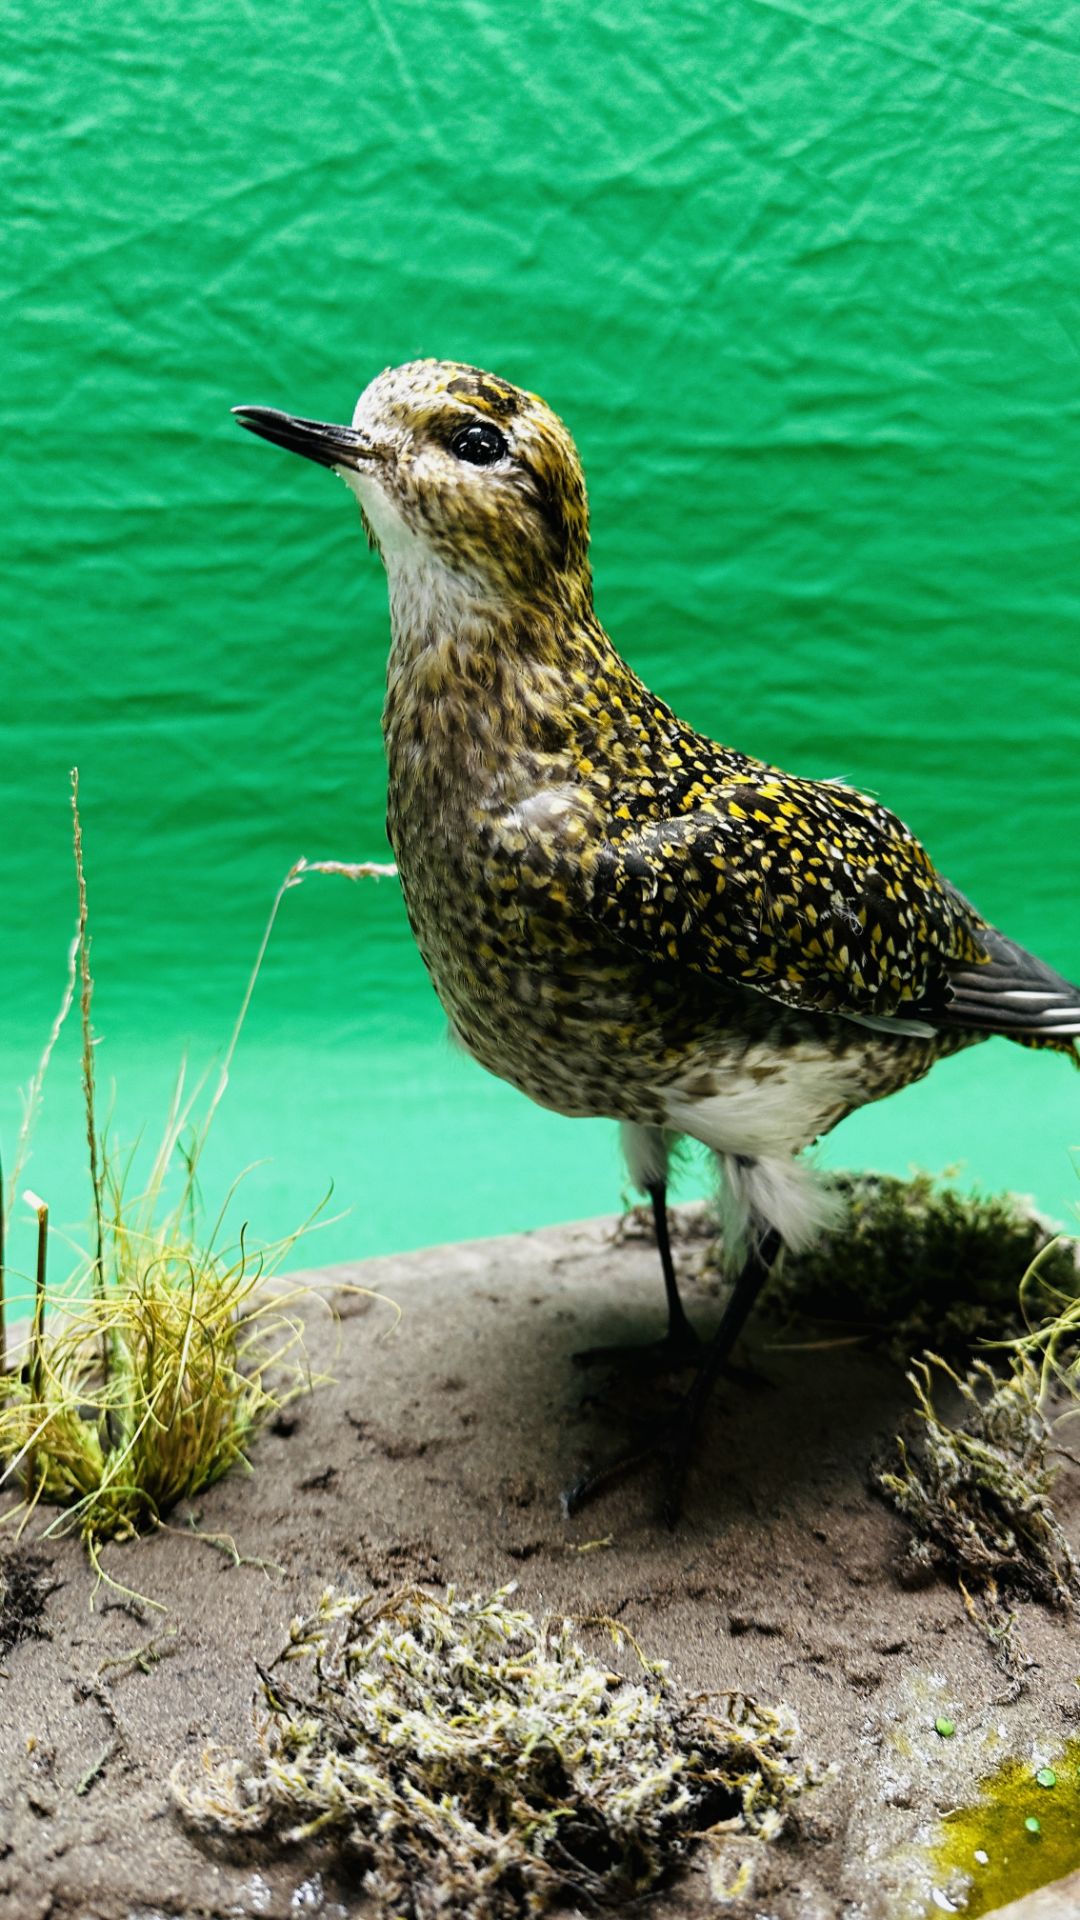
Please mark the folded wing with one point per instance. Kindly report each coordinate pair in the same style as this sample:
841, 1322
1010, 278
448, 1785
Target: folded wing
815, 895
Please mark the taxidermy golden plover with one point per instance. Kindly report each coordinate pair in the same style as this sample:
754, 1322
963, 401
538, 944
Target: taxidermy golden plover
620, 916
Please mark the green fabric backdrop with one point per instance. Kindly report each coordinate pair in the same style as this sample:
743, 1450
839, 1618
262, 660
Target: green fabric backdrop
805, 282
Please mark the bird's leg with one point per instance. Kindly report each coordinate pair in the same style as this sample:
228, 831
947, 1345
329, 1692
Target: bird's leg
675, 1438
680, 1334
680, 1346
756, 1270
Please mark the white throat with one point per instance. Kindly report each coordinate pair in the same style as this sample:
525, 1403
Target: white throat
431, 605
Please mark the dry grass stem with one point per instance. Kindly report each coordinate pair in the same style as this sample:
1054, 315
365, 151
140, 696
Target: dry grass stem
33, 1096
1051, 1309
86, 995
3, 1274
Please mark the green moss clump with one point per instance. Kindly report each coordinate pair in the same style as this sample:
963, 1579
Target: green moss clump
479, 1763
977, 1497
915, 1261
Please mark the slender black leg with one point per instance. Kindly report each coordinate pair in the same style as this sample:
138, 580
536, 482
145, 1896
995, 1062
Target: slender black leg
739, 1307
674, 1440
679, 1332
680, 1346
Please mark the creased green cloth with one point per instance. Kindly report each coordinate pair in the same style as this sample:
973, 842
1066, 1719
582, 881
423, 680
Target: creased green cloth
805, 282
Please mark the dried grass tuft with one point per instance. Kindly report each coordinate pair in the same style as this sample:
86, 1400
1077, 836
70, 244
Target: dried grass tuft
477, 1762
977, 1489
150, 1376
148, 1373
977, 1495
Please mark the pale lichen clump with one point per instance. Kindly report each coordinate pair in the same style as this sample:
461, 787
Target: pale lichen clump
977, 1497
477, 1762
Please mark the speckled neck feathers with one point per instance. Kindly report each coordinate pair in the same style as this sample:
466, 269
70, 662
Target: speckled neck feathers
481, 694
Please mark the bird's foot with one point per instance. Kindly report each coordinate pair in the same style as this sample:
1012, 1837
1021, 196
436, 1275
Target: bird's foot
677, 1351
674, 1435
671, 1444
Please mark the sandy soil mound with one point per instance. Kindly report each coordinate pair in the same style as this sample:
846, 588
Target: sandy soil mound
438, 1456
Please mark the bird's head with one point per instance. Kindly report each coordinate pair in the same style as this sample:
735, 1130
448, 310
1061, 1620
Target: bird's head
457, 467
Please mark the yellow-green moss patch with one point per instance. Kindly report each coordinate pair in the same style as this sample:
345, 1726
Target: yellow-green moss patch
1020, 1832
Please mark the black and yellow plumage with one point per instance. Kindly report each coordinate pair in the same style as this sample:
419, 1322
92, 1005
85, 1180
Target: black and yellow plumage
621, 916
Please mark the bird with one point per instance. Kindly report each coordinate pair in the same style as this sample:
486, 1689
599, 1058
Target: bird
621, 916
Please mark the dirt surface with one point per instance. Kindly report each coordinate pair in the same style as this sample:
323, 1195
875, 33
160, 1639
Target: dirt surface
1061, 1901
438, 1456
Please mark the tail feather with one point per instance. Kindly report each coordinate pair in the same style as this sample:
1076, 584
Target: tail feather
1016, 994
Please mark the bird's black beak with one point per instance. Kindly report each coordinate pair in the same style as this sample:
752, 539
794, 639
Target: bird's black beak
317, 440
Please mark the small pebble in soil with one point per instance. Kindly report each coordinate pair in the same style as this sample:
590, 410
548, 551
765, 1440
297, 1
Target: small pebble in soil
982, 1856
945, 1727
1046, 1777
1033, 1825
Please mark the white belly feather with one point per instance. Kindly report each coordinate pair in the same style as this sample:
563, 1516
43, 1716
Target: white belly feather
756, 1123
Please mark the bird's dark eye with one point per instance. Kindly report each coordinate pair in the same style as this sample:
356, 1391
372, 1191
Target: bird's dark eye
478, 443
